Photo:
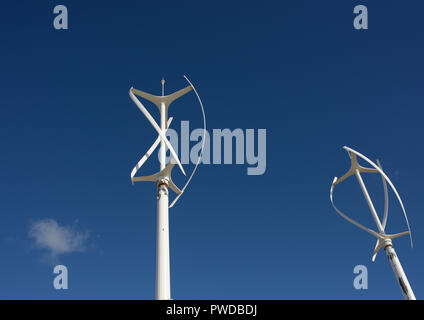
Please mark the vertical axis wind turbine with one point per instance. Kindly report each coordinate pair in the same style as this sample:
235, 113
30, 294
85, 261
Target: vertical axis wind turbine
163, 177
383, 240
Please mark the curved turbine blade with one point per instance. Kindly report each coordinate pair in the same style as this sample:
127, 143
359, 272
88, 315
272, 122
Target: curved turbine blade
385, 214
203, 144
156, 127
370, 231
386, 198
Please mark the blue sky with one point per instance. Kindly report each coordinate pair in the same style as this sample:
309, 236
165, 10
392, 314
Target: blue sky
70, 135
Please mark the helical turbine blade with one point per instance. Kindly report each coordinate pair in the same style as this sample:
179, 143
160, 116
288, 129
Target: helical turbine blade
385, 214
356, 223
203, 142
386, 198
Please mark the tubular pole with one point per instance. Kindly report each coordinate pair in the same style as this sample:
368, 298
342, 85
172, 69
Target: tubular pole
405, 287
407, 292
163, 283
163, 287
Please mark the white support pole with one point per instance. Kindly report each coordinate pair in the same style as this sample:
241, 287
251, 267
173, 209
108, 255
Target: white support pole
163, 288
407, 292
163, 283
405, 287
163, 129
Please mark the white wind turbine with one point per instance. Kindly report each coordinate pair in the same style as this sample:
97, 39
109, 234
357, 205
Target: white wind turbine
163, 177
383, 240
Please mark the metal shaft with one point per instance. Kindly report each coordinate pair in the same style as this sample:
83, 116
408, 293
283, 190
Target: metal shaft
390, 251
163, 288
407, 292
163, 283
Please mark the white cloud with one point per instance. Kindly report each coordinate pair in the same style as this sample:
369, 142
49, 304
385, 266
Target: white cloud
49, 235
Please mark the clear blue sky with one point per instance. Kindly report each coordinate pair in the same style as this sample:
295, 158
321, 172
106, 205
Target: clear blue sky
69, 137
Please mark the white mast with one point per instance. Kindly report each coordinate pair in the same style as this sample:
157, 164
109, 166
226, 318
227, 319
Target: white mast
163, 179
383, 240
163, 280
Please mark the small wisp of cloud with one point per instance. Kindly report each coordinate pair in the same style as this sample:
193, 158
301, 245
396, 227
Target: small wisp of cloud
56, 239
